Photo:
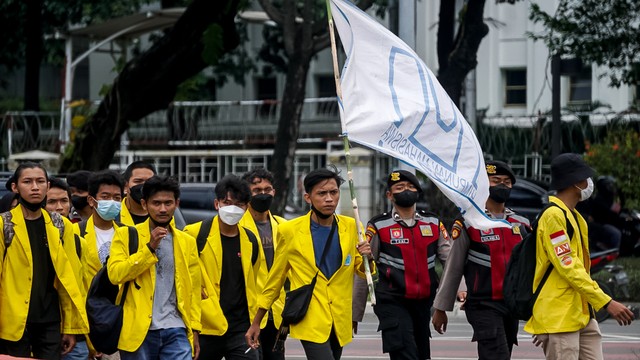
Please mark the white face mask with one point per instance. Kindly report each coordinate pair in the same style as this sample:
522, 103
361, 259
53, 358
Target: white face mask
230, 214
586, 192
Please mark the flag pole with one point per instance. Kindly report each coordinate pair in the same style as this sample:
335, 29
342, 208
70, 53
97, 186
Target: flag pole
347, 153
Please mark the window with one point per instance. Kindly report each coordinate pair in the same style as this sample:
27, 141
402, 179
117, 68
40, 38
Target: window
267, 89
327, 88
580, 87
515, 87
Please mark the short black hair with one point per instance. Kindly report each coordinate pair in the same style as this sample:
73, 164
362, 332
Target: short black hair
238, 188
157, 183
257, 173
79, 180
104, 177
28, 165
55, 182
139, 164
316, 176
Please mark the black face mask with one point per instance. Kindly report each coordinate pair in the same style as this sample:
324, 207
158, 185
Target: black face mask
79, 202
135, 192
163, 224
319, 214
499, 193
406, 198
31, 206
261, 202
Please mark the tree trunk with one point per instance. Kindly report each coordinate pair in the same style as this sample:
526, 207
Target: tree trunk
289, 128
148, 83
446, 21
33, 54
463, 58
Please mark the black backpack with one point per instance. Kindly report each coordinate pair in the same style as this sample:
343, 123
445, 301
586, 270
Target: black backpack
105, 316
518, 279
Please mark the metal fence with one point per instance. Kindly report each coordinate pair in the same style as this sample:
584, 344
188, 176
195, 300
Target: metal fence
29, 130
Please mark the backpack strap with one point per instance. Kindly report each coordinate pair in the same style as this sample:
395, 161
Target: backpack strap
78, 246
7, 230
203, 233
83, 227
254, 245
56, 219
133, 248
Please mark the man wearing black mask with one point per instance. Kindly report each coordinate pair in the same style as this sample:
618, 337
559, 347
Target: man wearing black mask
482, 256
405, 243
79, 187
135, 175
260, 221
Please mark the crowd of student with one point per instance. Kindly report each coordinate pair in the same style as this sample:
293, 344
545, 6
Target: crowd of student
216, 288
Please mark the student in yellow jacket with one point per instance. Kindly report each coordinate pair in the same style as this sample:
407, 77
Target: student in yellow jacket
563, 319
105, 196
230, 259
162, 308
40, 297
264, 224
326, 328
135, 175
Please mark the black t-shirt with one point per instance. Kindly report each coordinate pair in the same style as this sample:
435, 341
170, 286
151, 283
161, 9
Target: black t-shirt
43, 304
139, 219
233, 298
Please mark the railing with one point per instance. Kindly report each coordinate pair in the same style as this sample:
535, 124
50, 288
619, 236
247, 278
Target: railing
29, 130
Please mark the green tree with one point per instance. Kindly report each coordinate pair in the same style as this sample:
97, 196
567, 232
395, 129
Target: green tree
619, 156
149, 82
605, 33
24, 25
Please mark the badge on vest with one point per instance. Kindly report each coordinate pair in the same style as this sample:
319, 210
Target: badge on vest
399, 241
515, 228
396, 233
425, 230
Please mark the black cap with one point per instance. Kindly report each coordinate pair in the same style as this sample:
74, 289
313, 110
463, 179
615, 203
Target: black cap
79, 180
403, 175
568, 169
496, 167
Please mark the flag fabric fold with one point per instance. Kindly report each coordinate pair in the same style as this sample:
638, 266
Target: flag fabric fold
392, 102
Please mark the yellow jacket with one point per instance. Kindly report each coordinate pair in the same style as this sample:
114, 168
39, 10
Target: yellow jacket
562, 305
330, 305
90, 259
16, 270
248, 222
213, 319
140, 267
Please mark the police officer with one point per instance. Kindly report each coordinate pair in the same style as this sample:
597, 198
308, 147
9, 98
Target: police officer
405, 244
481, 256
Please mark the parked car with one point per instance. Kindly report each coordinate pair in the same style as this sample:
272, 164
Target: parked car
528, 198
196, 201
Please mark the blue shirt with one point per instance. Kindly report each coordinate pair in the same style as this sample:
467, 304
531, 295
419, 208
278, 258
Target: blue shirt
333, 259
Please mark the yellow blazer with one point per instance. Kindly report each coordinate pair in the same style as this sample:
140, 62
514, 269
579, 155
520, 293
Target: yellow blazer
248, 222
90, 259
330, 305
140, 267
213, 320
16, 271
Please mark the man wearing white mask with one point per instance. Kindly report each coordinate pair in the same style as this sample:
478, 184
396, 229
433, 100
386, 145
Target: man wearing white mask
563, 314
230, 259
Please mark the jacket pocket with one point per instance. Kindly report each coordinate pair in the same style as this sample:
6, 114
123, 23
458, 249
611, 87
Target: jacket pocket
391, 335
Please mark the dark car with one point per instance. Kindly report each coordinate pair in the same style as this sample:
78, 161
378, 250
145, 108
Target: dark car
528, 197
196, 201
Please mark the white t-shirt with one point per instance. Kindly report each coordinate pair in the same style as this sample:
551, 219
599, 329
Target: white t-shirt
103, 242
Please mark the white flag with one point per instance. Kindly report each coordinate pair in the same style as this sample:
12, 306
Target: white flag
391, 102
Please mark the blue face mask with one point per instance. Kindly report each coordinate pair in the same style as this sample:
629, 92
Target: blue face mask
108, 209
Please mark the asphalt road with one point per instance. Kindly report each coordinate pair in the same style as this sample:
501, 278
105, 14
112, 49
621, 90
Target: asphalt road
618, 342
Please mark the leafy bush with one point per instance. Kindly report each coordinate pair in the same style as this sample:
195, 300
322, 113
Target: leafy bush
619, 156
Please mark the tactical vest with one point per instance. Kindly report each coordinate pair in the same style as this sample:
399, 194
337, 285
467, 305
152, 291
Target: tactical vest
488, 255
406, 263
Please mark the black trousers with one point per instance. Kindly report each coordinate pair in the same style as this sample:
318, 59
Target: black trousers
40, 341
328, 350
231, 346
495, 331
405, 326
267, 340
